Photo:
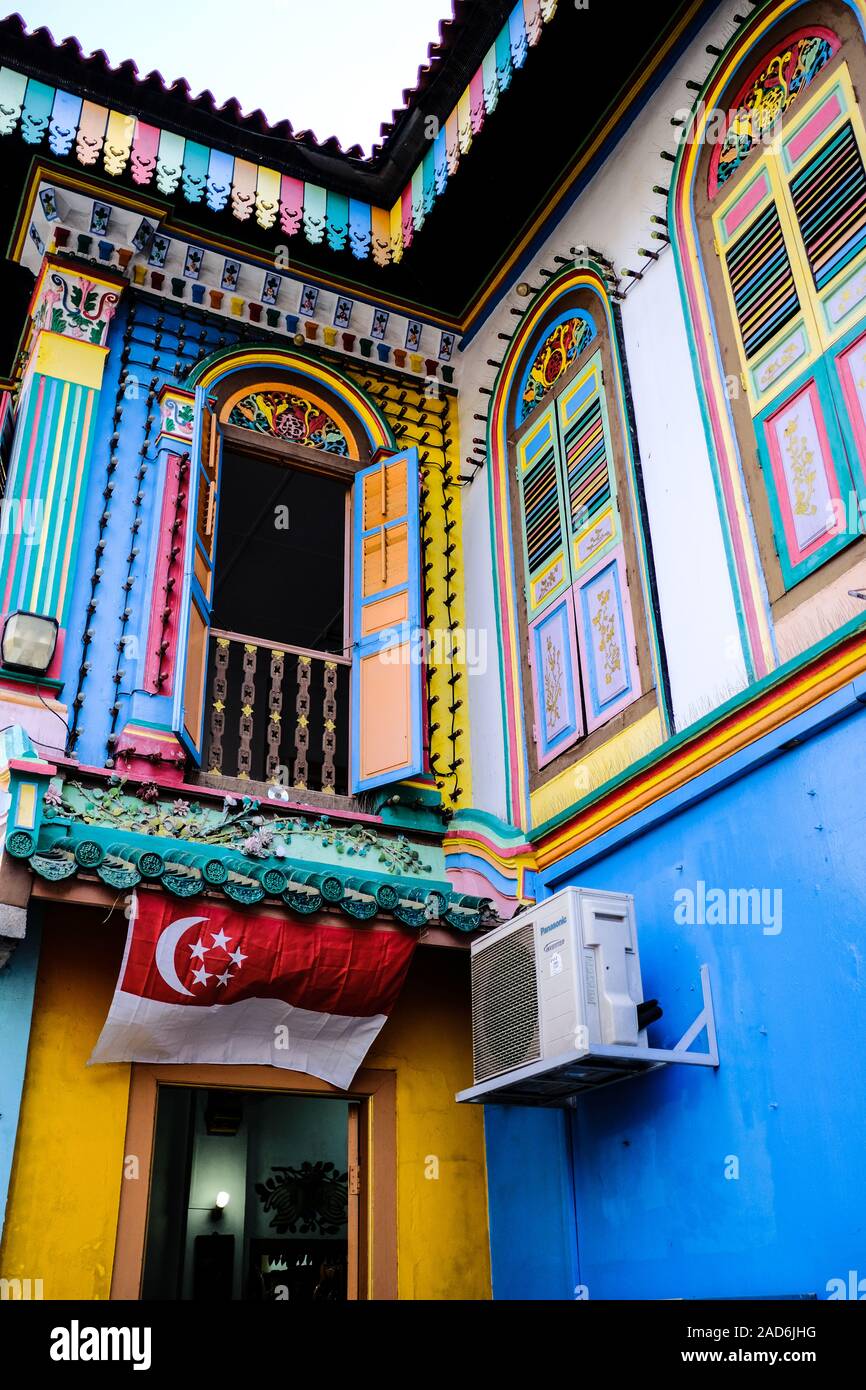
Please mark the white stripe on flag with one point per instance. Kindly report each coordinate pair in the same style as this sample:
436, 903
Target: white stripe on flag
261, 1032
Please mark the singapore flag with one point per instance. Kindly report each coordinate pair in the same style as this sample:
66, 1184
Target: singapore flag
227, 987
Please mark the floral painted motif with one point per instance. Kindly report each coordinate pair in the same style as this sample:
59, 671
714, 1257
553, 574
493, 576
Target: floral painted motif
801, 463
289, 417
604, 622
553, 683
767, 95
178, 416
560, 348
238, 824
76, 307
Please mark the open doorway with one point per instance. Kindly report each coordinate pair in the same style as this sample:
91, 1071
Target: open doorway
254, 1197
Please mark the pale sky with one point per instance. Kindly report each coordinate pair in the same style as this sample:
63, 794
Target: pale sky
337, 67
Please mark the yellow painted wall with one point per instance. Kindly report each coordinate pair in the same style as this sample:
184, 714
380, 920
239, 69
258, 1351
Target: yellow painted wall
443, 1246
65, 1188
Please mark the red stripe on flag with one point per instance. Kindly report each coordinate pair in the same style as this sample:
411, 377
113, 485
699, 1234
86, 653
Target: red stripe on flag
193, 955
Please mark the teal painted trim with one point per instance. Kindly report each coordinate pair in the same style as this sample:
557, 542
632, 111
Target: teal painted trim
679, 740
500, 831
19, 679
17, 991
186, 869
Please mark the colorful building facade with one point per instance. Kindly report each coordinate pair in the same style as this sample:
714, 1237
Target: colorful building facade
388, 544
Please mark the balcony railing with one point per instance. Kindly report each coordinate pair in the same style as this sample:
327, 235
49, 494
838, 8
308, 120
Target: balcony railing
277, 714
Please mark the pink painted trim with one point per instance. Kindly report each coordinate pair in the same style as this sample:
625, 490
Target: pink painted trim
291, 205
749, 201
815, 126
202, 793
594, 721
476, 101
794, 551
407, 216
159, 598
31, 767
504, 852
145, 147
852, 400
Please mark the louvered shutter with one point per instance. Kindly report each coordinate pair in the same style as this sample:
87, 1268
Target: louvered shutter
590, 480
542, 514
387, 651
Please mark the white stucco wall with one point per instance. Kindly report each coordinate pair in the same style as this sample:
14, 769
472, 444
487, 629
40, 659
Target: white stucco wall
699, 621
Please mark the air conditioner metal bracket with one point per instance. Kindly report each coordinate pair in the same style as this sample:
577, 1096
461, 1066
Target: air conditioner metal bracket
558, 1081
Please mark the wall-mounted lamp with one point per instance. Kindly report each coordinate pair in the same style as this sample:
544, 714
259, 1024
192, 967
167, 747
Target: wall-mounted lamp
221, 1201
28, 642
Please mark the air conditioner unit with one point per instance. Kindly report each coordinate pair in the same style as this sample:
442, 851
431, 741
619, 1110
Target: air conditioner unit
557, 1003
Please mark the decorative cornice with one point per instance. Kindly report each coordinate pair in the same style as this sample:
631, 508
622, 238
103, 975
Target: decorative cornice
777, 701
190, 848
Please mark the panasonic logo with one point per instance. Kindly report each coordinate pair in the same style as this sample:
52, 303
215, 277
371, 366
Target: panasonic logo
553, 926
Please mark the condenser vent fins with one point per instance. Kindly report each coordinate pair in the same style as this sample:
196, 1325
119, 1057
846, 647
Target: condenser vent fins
505, 1032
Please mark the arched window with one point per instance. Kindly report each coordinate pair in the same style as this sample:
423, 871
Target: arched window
301, 598
780, 207
581, 609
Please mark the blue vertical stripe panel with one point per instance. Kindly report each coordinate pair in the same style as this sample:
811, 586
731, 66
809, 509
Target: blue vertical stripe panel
360, 228
63, 126
17, 988
517, 35
440, 162
221, 167
37, 111
196, 164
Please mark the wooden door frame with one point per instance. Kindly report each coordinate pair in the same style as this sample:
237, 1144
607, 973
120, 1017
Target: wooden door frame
376, 1094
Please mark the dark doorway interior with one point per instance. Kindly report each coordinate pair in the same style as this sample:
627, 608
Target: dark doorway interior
280, 563
249, 1198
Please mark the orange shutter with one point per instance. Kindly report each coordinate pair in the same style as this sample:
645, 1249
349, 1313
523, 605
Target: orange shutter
387, 651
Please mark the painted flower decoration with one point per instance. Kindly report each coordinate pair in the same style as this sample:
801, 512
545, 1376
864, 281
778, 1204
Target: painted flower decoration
180, 807
52, 796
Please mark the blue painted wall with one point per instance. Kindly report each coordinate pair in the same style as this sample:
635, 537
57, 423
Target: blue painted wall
155, 343
17, 986
656, 1215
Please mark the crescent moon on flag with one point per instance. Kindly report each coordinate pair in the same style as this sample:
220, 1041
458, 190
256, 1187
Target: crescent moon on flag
165, 950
